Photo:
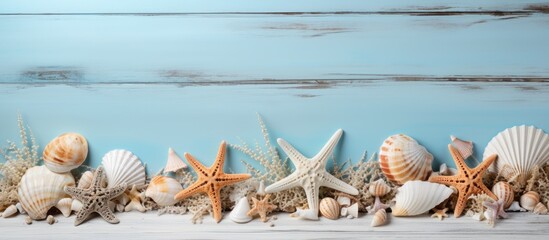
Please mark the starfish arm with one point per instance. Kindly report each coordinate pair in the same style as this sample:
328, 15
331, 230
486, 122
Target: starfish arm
75, 192
446, 180
312, 200
327, 150
295, 156
288, 182
195, 188
200, 169
98, 177
106, 213
83, 214
227, 179
116, 191
217, 167
486, 190
215, 198
458, 159
460, 205
332, 182
486, 163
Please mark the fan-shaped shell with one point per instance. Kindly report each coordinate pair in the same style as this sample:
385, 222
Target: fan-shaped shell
85, 180
162, 190
465, 148
379, 188
380, 217
522, 148
402, 159
122, 166
504, 191
417, 197
529, 200
174, 162
40, 189
65, 152
329, 208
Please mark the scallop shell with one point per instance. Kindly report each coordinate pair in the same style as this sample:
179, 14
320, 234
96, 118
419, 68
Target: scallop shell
380, 217
529, 200
329, 208
122, 166
417, 197
65, 152
465, 148
174, 162
10, 211
85, 180
402, 159
504, 191
522, 148
540, 209
162, 190
40, 189
64, 205
379, 188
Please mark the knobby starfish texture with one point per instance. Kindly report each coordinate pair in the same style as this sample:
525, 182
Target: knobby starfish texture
311, 174
261, 208
468, 181
211, 180
95, 198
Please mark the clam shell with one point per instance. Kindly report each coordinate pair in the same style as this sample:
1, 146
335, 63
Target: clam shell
64, 205
329, 208
522, 148
540, 209
465, 148
380, 217
174, 162
379, 188
529, 200
65, 152
40, 189
85, 180
504, 191
162, 190
122, 166
417, 197
402, 159
10, 211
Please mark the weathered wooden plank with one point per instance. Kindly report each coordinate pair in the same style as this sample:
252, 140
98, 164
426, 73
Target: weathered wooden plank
241, 47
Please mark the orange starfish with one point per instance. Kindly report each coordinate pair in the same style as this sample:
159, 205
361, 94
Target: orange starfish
211, 180
262, 208
468, 181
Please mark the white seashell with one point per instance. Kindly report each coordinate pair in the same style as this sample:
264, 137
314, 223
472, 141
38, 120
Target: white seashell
479, 217
123, 199
329, 208
240, 212
85, 180
76, 205
540, 209
65, 152
402, 159
20, 208
343, 212
515, 207
465, 148
10, 211
522, 148
504, 191
379, 188
417, 197
40, 189
112, 206
529, 200
261, 188
122, 166
174, 162
64, 205
344, 201
352, 210
380, 217
162, 190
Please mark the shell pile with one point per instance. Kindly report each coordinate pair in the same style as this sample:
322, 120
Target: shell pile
402, 159
66, 152
417, 197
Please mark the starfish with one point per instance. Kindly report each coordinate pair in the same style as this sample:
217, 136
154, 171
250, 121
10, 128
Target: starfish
311, 174
467, 181
262, 208
440, 214
495, 210
135, 200
378, 205
211, 180
95, 198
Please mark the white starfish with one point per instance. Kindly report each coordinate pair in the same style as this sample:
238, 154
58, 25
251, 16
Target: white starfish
311, 174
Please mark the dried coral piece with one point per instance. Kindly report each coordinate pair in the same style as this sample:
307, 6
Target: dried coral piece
96, 198
468, 181
211, 180
65, 152
261, 208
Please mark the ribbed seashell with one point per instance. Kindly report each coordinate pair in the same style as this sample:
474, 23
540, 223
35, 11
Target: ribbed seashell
380, 217
10, 211
329, 208
162, 190
522, 148
66, 152
540, 209
40, 189
76, 205
85, 180
379, 188
465, 148
504, 191
122, 166
529, 200
417, 197
64, 205
174, 162
402, 159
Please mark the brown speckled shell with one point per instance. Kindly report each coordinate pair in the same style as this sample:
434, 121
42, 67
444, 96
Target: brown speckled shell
66, 152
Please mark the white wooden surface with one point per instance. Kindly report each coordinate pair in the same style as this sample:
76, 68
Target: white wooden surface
134, 225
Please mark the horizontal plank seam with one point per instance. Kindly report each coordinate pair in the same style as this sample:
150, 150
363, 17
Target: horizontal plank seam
418, 13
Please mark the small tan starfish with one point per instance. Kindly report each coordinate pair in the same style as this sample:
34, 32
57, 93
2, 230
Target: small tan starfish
440, 214
211, 180
468, 181
95, 198
135, 200
261, 208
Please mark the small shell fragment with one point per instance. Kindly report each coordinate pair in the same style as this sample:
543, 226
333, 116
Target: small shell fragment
10, 211
540, 209
28, 220
64, 205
